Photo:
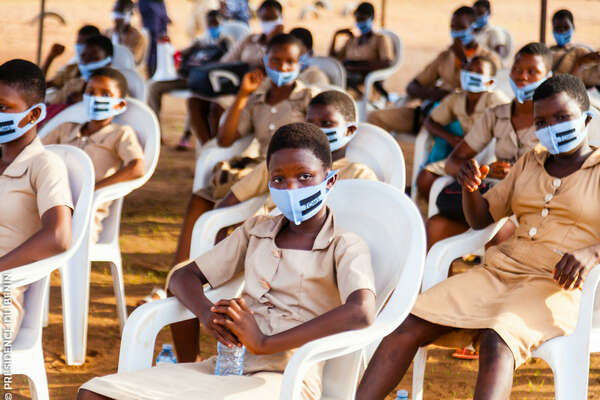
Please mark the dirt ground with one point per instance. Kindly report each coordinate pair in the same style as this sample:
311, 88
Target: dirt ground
153, 214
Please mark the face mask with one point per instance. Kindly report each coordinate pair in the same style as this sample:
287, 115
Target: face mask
365, 26
481, 21
304, 60
299, 205
79, 47
100, 108
269, 26
87, 69
563, 38
465, 36
214, 32
126, 17
337, 136
565, 136
474, 82
526, 92
9, 123
280, 78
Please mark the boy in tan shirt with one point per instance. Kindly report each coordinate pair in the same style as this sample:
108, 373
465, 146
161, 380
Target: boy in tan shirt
125, 34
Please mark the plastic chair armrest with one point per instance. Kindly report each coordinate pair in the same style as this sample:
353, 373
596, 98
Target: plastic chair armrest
33, 272
587, 302
438, 185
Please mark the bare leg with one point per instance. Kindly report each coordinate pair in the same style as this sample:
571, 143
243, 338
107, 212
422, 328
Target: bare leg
198, 113
439, 228
394, 355
186, 338
196, 207
87, 395
504, 233
214, 116
424, 182
496, 365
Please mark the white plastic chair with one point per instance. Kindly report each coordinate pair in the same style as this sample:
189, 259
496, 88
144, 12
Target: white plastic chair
397, 265
144, 122
27, 356
148, 41
334, 70
509, 45
382, 74
122, 57
237, 30
135, 83
568, 356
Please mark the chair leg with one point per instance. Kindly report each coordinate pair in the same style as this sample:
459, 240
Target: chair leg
38, 382
571, 372
46, 305
119, 288
419, 363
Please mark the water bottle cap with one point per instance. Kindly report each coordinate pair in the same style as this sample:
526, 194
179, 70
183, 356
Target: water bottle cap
402, 393
167, 346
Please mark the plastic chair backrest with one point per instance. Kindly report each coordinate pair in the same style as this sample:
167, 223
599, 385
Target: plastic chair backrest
502, 80
237, 30
135, 84
122, 57
397, 45
334, 70
508, 44
375, 148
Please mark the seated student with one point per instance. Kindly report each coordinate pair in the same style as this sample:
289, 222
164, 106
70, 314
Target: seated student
35, 217
273, 317
567, 56
512, 126
365, 53
438, 79
124, 33
488, 35
114, 149
197, 18
97, 53
309, 74
466, 106
526, 293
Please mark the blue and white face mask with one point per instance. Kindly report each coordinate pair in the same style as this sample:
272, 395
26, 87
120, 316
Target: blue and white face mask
481, 21
214, 32
126, 17
9, 123
87, 69
99, 108
280, 78
563, 38
365, 26
269, 26
465, 36
337, 136
474, 82
305, 60
526, 92
564, 136
79, 47
301, 204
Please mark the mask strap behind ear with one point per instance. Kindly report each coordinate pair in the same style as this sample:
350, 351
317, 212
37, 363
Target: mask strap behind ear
39, 119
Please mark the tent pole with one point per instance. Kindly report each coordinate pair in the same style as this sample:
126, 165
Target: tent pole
543, 17
383, 6
41, 31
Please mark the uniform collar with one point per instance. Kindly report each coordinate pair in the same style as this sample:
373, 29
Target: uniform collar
76, 133
20, 164
297, 92
270, 227
542, 154
503, 111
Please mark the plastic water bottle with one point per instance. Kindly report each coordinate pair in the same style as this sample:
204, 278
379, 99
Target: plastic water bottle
166, 355
230, 360
402, 395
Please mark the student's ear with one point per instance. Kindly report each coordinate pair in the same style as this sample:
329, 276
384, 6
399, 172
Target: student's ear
33, 116
351, 130
490, 82
331, 182
588, 119
122, 104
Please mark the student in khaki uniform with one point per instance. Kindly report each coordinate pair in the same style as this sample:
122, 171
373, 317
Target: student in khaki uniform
528, 290
365, 53
197, 19
466, 106
125, 34
115, 151
492, 37
309, 74
568, 57
324, 285
445, 69
35, 217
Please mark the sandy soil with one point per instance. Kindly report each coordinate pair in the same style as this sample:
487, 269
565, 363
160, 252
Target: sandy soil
153, 214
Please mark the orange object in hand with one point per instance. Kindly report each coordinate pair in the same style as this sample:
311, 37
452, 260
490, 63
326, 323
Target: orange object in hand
484, 170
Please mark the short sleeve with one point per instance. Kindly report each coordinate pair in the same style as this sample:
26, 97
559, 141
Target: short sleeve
353, 265
384, 48
63, 75
55, 136
50, 180
254, 184
443, 113
430, 75
499, 197
482, 131
358, 171
496, 98
224, 261
128, 146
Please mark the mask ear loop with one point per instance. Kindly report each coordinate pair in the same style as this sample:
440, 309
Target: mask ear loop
39, 119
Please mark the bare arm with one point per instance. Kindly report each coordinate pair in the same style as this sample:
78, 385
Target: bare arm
55, 51
438, 130
53, 238
332, 52
416, 90
475, 207
133, 170
461, 153
228, 201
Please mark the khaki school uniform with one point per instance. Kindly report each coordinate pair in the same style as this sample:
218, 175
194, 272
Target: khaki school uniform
71, 92
65, 74
563, 59
111, 148
284, 288
133, 40
443, 71
454, 107
491, 37
514, 292
36, 181
262, 120
376, 48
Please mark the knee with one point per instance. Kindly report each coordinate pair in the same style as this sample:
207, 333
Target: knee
424, 181
493, 348
84, 394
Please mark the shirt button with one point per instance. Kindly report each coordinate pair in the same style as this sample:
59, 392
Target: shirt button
532, 232
276, 253
545, 212
548, 197
271, 127
556, 183
274, 110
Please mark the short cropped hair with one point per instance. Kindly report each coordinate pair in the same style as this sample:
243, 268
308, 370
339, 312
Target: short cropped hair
114, 75
466, 11
88, 30
304, 36
365, 8
301, 135
487, 59
271, 4
566, 83
102, 42
483, 3
284, 39
537, 49
26, 78
564, 14
215, 14
342, 101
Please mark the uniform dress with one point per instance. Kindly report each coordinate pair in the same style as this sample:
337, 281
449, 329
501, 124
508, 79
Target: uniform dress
563, 58
133, 40
111, 148
492, 36
514, 292
283, 287
262, 120
36, 181
454, 108
70, 92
